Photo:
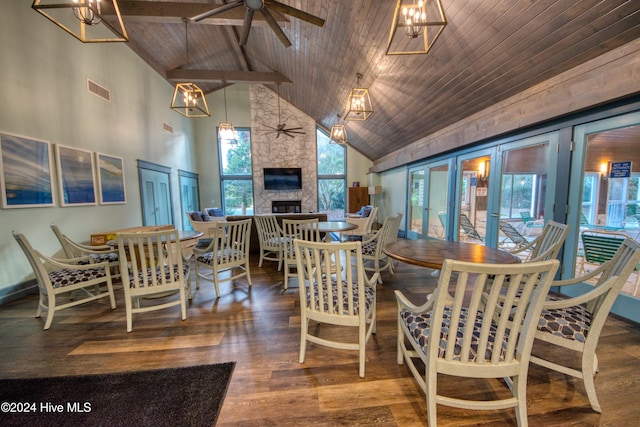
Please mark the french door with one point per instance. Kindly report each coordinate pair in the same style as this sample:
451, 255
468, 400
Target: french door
525, 184
429, 200
155, 192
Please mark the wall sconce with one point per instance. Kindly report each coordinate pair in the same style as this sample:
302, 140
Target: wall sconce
604, 170
483, 170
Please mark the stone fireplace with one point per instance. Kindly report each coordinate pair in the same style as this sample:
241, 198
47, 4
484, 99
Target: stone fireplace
268, 151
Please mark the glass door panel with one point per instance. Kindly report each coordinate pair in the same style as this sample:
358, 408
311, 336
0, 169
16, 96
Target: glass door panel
437, 201
473, 198
523, 187
416, 204
608, 166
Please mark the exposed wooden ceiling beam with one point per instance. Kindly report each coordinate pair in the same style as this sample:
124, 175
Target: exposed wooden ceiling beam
173, 12
227, 76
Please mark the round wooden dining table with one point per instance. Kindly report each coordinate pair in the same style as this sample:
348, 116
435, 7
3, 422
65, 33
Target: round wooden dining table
335, 227
431, 253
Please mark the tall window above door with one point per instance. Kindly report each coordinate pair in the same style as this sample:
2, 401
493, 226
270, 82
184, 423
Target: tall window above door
332, 169
236, 177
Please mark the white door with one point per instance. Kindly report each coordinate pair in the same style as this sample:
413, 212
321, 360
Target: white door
155, 190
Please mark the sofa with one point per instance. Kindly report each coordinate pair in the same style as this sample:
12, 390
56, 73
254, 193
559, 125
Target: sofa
201, 220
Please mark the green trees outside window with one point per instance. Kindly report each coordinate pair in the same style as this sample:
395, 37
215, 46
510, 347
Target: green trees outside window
332, 161
236, 174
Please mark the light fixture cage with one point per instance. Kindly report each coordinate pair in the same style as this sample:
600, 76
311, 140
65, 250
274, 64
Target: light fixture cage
85, 19
359, 106
415, 36
227, 132
188, 100
338, 134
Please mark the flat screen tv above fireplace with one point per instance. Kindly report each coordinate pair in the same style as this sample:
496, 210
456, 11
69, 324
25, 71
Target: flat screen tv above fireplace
282, 179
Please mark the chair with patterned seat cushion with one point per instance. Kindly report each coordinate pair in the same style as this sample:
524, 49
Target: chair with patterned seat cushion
372, 246
66, 277
576, 323
454, 334
335, 290
227, 251
89, 254
271, 239
153, 271
304, 229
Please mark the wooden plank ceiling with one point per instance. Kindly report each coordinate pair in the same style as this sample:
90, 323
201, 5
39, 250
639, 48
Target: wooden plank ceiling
489, 51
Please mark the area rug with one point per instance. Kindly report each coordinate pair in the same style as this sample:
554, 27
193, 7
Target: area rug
190, 396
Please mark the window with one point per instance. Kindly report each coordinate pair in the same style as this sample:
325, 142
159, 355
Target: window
331, 176
518, 194
236, 174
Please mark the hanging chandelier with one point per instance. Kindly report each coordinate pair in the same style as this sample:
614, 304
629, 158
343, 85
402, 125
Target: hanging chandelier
338, 133
188, 99
359, 106
226, 131
84, 20
415, 27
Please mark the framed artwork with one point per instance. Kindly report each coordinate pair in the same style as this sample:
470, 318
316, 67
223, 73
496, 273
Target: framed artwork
76, 177
26, 172
110, 179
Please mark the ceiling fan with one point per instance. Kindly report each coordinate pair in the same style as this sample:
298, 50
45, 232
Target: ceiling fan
264, 7
281, 128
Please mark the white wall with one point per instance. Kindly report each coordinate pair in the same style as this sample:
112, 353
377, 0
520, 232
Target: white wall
394, 194
44, 95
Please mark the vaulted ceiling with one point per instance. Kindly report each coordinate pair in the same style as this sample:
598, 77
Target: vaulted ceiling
489, 51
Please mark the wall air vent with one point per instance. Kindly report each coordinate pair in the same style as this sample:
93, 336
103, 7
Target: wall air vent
98, 90
167, 127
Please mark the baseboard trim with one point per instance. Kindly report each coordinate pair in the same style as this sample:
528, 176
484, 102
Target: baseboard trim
18, 291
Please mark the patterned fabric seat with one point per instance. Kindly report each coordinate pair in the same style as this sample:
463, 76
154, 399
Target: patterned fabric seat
68, 277
207, 258
419, 325
369, 294
167, 274
570, 322
369, 248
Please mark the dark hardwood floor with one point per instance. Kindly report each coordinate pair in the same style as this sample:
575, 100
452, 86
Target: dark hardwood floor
259, 329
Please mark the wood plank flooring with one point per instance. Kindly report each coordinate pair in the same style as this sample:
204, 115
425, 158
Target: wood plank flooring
259, 329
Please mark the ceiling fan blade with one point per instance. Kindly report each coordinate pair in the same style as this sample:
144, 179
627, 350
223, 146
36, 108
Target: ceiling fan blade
290, 129
275, 27
217, 10
296, 13
248, 18
288, 134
